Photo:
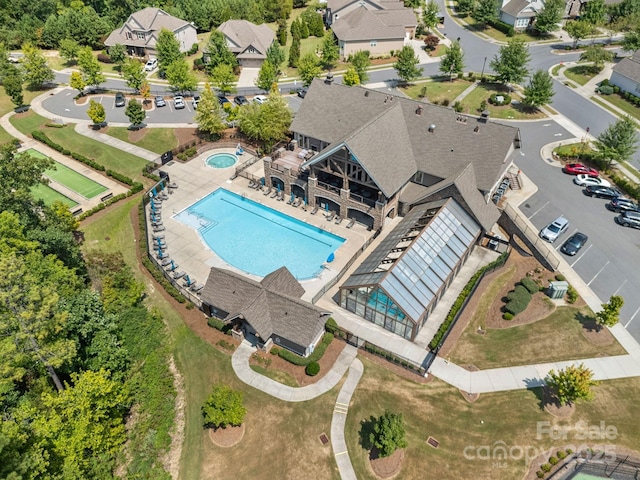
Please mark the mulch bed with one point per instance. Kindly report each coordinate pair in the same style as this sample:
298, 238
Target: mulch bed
227, 437
387, 467
552, 405
470, 397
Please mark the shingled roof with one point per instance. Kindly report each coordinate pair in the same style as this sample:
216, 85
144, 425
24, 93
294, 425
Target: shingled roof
394, 137
365, 24
272, 306
629, 67
516, 8
148, 19
244, 34
337, 5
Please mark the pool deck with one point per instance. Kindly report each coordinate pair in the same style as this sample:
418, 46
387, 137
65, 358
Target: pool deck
195, 181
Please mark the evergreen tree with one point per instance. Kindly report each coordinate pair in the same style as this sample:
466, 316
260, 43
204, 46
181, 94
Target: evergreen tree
276, 56
486, 11
330, 52
281, 34
135, 112
294, 53
12, 83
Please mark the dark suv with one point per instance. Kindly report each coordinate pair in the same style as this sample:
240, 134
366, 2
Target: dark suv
601, 192
629, 219
621, 204
120, 101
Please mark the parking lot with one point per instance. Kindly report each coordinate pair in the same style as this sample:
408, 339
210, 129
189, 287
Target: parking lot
608, 262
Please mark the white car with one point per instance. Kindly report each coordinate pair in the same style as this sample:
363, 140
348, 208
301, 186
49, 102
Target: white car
585, 180
260, 99
150, 65
551, 232
178, 102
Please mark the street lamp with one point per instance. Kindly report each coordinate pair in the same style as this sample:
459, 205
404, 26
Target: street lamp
483, 64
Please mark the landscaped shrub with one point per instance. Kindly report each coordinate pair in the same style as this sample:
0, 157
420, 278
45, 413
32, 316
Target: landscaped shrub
540, 474
530, 285
545, 467
569, 451
194, 49
458, 107
331, 326
572, 294
274, 350
445, 102
507, 316
312, 369
104, 58
431, 42
560, 277
121, 178
506, 99
553, 460
561, 455
317, 354
503, 27
604, 83
215, 323
191, 152
605, 89
518, 300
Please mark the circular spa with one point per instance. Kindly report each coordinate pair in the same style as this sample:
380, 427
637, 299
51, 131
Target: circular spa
221, 160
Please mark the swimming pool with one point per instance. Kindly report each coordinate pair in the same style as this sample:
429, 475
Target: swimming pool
221, 160
257, 239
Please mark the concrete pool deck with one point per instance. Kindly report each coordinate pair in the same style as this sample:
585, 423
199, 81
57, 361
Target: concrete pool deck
195, 181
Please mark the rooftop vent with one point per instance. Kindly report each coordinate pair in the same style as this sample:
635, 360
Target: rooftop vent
477, 129
432, 128
329, 78
366, 93
386, 99
419, 111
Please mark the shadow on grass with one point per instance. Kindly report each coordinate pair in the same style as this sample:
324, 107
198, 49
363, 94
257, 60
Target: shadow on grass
588, 322
366, 429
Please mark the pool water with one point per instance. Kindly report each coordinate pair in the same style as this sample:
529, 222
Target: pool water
221, 160
257, 239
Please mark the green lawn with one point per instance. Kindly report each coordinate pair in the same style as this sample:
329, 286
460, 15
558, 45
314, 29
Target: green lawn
483, 91
48, 195
438, 90
580, 74
618, 101
281, 377
112, 158
470, 24
292, 447
158, 140
469, 432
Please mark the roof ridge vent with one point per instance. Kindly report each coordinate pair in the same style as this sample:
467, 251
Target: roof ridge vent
366, 93
432, 128
419, 110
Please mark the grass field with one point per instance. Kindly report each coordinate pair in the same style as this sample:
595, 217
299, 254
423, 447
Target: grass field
462, 428
110, 157
616, 100
580, 74
6, 105
292, 446
48, 195
483, 91
438, 90
158, 140
70, 178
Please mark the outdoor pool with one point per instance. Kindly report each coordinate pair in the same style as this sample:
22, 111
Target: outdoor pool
221, 160
257, 239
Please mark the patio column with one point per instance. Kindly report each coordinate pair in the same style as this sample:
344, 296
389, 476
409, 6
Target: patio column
311, 193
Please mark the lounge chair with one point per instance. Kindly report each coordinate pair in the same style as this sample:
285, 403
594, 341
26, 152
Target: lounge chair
170, 268
338, 220
158, 236
351, 223
160, 247
156, 207
197, 287
187, 282
173, 185
280, 197
165, 262
159, 241
274, 194
267, 191
178, 275
297, 202
252, 184
156, 223
330, 216
314, 211
162, 255
159, 229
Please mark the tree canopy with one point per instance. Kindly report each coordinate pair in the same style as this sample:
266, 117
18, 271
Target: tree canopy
485, 11
453, 60
388, 433
133, 73
180, 77
267, 122
550, 16
510, 64
96, 112
218, 52
572, 384
36, 71
618, 142
309, 68
135, 112
610, 313
360, 61
209, 114
168, 50
90, 67
267, 76
223, 408
407, 64
539, 91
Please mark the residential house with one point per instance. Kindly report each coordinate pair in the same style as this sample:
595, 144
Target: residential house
626, 74
140, 32
270, 310
378, 31
365, 156
520, 14
336, 9
247, 41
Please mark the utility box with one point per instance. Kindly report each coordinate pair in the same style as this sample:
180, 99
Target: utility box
557, 290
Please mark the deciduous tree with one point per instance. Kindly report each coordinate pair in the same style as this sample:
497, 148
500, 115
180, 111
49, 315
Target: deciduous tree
179, 76
539, 91
168, 49
510, 64
68, 49
90, 67
77, 82
218, 52
578, 30
631, 40
223, 79
330, 52
133, 73
407, 64
96, 112
351, 77
618, 142
453, 60
118, 54
594, 12
598, 55
135, 112
12, 82
485, 11
572, 384
267, 123
610, 313
430, 15
223, 408
209, 114
267, 76
36, 71
388, 433
360, 61
550, 16
309, 68
465, 7
145, 91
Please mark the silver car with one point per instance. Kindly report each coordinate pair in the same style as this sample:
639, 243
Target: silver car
551, 232
159, 101
178, 102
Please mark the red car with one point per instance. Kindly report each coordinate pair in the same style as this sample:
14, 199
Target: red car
579, 169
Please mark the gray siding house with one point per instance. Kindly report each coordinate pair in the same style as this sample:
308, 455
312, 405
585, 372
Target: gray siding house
626, 74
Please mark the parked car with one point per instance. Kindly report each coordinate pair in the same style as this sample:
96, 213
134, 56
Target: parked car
621, 204
601, 192
159, 101
222, 99
579, 169
260, 99
302, 92
585, 180
574, 243
178, 102
629, 219
241, 100
195, 101
551, 232
120, 100
151, 65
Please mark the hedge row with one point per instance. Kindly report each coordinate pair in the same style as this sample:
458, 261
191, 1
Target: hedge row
135, 186
503, 27
517, 300
457, 305
389, 356
219, 325
530, 285
314, 357
103, 205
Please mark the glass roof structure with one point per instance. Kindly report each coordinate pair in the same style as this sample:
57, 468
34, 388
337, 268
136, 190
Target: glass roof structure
414, 261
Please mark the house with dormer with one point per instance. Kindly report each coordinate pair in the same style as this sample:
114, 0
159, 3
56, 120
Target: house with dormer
140, 32
247, 41
520, 14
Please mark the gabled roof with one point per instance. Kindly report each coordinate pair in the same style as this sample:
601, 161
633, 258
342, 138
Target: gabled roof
243, 34
365, 24
629, 67
149, 20
272, 306
391, 134
337, 5
515, 8
486, 214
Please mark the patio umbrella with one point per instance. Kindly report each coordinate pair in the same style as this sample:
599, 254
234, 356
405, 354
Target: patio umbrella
278, 188
293, 197
159, 252
326, 207
187, 280
173, 267
305, 201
